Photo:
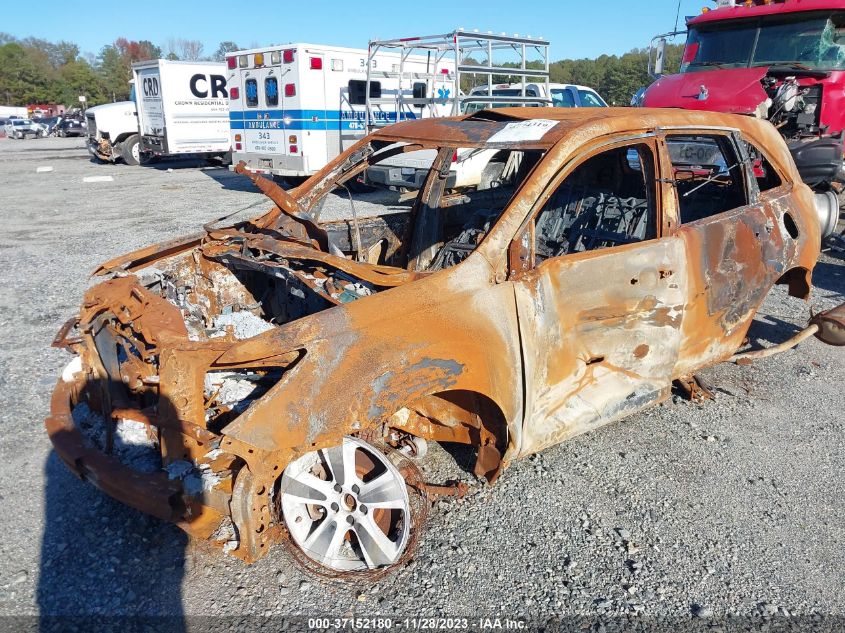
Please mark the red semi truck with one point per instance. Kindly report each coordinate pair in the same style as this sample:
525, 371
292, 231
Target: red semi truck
781, 60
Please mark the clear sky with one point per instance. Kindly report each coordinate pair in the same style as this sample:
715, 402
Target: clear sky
575, 28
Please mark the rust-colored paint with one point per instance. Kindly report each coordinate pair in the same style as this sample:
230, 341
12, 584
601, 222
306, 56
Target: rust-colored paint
496, 351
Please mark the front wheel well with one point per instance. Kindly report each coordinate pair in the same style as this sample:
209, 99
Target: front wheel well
123, 137
461, 416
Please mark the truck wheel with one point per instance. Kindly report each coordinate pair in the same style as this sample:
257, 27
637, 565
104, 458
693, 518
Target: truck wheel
130, 150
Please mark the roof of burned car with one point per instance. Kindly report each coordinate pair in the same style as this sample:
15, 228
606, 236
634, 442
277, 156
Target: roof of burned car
544, 127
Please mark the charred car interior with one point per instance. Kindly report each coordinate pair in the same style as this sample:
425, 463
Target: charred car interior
270, 381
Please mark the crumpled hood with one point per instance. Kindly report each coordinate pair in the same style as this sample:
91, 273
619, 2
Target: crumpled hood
734, 90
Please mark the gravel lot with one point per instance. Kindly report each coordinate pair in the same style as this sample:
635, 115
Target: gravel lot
734, 507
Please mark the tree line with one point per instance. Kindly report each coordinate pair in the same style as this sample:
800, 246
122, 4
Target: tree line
34, 70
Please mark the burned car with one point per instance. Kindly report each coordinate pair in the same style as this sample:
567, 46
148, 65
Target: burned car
261, 382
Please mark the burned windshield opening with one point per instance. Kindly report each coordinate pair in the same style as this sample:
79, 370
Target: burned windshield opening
816, 41
420, 208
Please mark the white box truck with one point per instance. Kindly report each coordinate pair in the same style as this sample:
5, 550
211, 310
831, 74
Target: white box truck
183, 108
293, 108
175, 109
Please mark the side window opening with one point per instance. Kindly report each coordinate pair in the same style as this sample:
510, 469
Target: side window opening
766, 176
271, 91
609, 200
708, 175
590, 99
251, 93
562, 98
358, 91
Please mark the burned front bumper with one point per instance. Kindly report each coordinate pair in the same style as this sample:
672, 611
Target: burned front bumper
137, 449
140, 414
101, 149
151, 493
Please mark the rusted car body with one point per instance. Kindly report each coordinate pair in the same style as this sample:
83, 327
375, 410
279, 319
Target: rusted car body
517, 338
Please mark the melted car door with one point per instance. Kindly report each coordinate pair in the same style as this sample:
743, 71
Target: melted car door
735, 250
601, 300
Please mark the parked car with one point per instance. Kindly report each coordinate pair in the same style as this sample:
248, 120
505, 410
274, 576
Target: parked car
558, 95
265, 382
71, 127
48, 125
21, 128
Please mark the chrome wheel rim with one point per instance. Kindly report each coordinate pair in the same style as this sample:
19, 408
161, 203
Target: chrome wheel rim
347, 507
136, 153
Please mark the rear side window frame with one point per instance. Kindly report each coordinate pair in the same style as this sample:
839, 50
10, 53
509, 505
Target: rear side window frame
357, 91
735, 142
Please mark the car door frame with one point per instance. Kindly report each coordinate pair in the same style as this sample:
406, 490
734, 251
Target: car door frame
650, 302
726, 261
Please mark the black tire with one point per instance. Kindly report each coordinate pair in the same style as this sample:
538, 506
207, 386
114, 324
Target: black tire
130, 150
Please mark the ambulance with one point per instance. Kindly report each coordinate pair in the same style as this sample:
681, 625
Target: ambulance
294, 108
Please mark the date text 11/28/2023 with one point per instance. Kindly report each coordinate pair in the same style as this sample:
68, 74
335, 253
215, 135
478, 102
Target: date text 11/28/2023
381, 623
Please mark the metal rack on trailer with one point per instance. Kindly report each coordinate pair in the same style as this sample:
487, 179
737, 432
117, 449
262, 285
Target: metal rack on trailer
452, 58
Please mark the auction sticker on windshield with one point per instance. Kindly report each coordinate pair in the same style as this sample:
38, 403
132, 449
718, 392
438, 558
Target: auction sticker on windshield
532, 130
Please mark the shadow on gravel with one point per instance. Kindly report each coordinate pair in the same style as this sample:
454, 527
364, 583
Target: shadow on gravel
768, 330
163, 164
831, 277
463, 455
101, 561
230, 180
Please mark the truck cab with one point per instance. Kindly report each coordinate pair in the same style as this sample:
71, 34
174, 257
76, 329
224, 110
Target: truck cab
783, 61
113, 130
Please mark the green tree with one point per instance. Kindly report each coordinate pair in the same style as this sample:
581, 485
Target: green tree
616, 78
25, 76
223, 49
114, 71
115, 65
79, 78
